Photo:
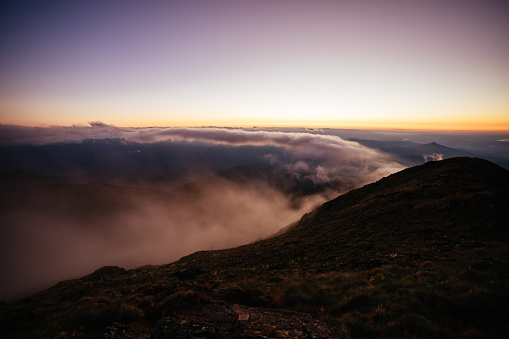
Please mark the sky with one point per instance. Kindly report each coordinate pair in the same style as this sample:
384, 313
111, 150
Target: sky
371, 64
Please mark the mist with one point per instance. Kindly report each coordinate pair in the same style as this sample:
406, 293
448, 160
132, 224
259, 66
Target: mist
82, 204
63, 232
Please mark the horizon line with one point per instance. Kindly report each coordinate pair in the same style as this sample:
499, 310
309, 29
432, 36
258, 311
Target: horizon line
310, 126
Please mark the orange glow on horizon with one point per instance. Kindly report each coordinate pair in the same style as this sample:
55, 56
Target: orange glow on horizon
443, 125
46, 116
471, 125
380, 125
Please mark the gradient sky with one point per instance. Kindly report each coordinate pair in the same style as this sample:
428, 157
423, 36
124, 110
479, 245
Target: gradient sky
404, 64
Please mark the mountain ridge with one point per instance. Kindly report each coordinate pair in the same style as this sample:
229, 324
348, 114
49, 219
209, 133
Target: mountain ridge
344, 201
420, 253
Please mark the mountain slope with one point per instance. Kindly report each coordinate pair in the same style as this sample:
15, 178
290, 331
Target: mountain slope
438, 204
421, 253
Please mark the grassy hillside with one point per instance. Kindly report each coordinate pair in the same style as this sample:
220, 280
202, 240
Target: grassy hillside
421, 253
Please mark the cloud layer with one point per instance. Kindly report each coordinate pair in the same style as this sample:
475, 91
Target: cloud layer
320, 158
49, 234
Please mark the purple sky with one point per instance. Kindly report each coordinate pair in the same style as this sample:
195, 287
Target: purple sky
428, 64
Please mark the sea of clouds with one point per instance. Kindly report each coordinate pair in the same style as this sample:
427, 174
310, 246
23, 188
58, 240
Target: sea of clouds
53, 234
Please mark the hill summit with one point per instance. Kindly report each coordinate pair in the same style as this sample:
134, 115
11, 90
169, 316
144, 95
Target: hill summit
420, 253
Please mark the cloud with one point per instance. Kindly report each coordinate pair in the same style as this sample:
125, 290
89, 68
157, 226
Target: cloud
133, 228
56, 233
99, 124
22, 135
433, 157
319, 158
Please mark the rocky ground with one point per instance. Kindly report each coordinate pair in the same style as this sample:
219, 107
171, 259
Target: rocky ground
227, 320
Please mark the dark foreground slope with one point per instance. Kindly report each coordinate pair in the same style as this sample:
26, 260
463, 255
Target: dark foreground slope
421, 253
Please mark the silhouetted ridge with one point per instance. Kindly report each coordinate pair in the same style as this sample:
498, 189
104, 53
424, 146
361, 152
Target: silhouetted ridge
444, 204
458, 197
438, 186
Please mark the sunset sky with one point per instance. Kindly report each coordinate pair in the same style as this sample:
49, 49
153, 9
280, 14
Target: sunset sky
403, 64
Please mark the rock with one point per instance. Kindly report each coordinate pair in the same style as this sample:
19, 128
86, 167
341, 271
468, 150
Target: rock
172, 328
226, 320
120, 331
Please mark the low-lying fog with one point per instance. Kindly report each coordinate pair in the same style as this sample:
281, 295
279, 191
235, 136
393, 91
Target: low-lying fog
101, 195
63, 231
